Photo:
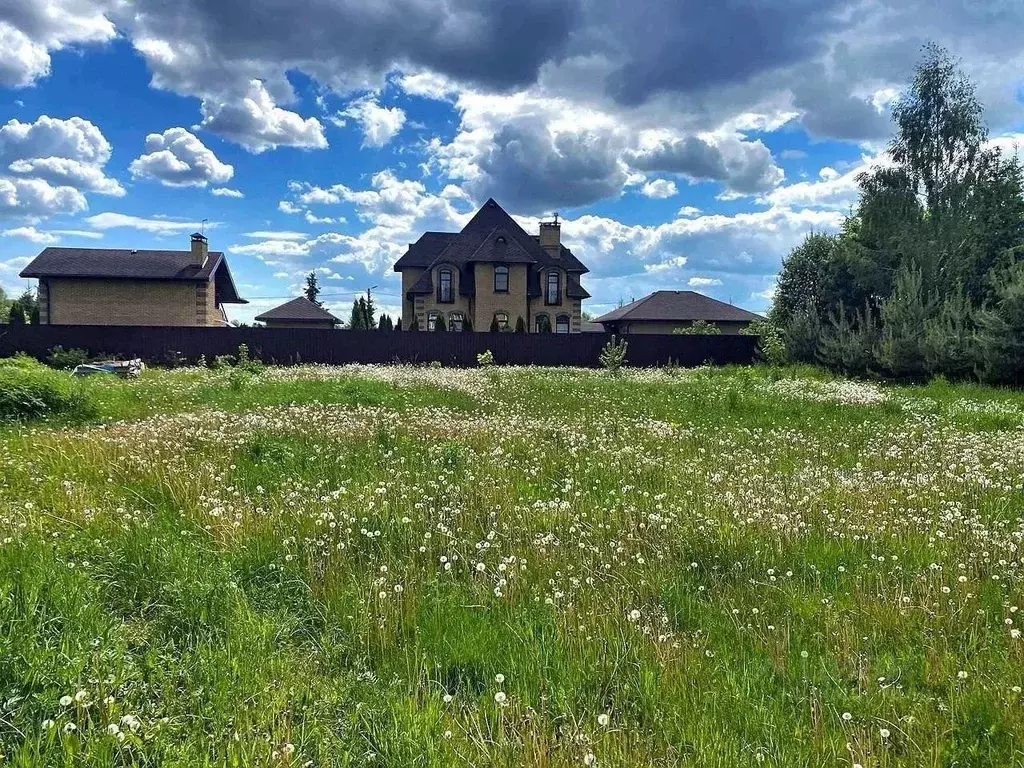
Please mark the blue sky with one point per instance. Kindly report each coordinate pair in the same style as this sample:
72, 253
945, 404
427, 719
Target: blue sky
684, 144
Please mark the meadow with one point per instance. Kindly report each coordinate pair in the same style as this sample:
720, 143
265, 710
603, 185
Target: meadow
416, 566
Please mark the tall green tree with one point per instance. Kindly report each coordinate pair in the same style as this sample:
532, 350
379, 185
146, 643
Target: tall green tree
312, 289
16, 316
940, 132
921, 280
802, 277
360, 320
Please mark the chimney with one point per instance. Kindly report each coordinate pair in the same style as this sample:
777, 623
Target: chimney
551, 237
200, 249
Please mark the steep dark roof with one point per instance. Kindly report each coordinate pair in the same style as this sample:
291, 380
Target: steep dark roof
479, 241
125, 264
299, 310
679, 306
423, 252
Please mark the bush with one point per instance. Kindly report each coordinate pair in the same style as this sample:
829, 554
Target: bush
613, 356
770, 345
699, 328
30, 390
485, 359
848, 344
67, 359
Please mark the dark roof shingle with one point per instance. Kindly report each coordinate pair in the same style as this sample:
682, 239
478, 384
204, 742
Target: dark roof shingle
300, 310
121, 263
126, 264
679, 306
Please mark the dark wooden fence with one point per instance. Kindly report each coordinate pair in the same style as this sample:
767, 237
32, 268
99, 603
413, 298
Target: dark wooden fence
287, 346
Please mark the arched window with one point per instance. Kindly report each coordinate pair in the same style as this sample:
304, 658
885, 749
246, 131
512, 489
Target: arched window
501, 279
432, 320
444, 286
501, 320
455, 321
543, 323
562, 324
553, 294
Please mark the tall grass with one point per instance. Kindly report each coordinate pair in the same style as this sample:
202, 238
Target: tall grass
402, 567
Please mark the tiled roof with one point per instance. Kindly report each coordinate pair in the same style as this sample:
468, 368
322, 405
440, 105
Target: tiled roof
490, 236
679, 306
123, 263
120, 262
423, 252
300, 310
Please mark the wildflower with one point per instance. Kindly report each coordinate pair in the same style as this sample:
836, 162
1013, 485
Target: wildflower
48, 724
499, 678
447, 698
603, 719
70, 727
65, 701
81, 696
847, 716
113, 729
634, 615
884, 733
589, 759
500, 698
961, 675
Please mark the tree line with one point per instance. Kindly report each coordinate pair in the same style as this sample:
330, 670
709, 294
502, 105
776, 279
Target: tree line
926, 276
23, 310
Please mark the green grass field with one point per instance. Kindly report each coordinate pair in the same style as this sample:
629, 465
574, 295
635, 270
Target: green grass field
375, 566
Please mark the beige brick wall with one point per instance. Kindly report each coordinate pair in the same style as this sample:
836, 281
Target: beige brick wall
44, 304
128, 302
488, 302
409, 278
482, 307
424, 305
570, 307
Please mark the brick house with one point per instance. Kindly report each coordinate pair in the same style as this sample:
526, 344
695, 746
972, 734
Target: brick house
492, 273
298, 313
667, 311
108, 286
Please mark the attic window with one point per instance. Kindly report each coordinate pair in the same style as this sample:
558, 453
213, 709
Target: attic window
500, 239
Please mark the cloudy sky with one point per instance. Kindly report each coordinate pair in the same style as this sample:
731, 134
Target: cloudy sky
684, 143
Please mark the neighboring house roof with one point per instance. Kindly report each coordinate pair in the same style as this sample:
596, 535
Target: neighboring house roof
679, 306
490, 236
125, 264
300, 310
588, 327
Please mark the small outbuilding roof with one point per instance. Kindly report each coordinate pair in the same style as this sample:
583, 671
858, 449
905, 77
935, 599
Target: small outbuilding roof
300, 310
680, 307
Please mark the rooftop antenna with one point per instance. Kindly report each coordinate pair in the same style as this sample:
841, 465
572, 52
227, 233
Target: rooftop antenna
202, 226
556, 217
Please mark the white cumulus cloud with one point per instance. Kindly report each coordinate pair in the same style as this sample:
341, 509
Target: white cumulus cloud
258, 124
659, 189
177, 158
380, 124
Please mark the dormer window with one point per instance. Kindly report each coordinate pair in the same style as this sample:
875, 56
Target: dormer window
501, 279
444, 286
553, 292
500, 239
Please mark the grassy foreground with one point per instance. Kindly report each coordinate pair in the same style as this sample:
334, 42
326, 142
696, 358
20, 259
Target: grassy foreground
413, 566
